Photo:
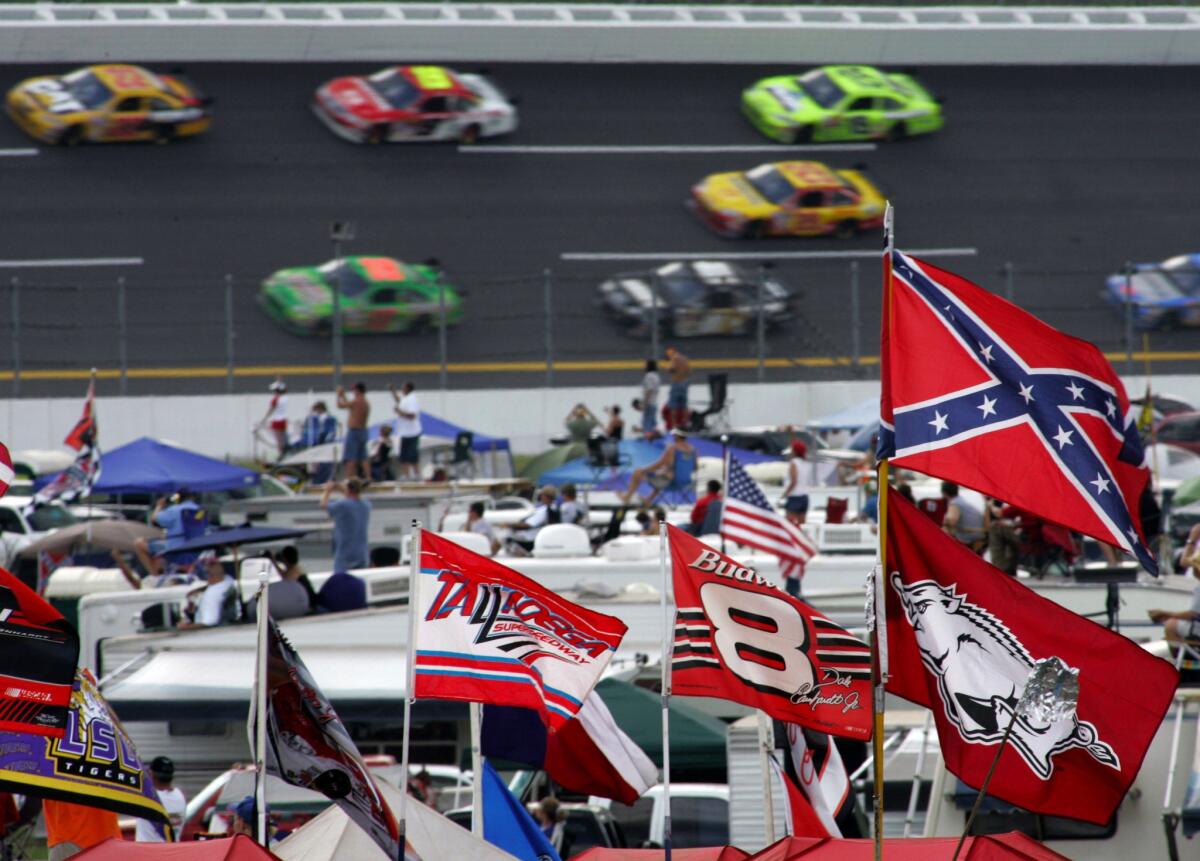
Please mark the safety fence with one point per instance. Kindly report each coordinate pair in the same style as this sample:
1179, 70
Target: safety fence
539, 328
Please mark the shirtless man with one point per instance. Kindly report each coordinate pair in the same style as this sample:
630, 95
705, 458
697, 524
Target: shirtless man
679, 369
354, 452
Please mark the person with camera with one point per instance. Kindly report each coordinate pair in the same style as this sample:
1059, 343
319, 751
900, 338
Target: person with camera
351, 517
179, 517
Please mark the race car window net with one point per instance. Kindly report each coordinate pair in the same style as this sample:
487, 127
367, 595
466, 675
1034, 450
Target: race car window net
87, 89
771, 184
394, 88
821, 89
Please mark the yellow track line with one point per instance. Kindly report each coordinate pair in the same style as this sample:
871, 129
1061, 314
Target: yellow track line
531, 367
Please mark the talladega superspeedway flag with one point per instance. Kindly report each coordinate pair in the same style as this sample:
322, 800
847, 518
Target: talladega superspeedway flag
39, 651
739, 637
95, 764
487, 634
308, 746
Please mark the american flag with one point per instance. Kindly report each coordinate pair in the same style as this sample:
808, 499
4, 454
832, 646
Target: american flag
748, 519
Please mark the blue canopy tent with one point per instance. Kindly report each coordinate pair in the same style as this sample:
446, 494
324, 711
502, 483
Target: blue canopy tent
149, 466
634, 454
849, 418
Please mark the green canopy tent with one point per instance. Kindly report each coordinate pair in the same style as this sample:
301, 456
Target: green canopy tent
697, 739
551, 458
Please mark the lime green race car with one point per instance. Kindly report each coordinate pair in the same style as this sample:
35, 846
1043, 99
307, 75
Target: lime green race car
379, 294
841, 103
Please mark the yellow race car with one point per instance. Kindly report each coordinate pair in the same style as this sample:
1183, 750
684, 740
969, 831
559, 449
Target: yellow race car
789, 198
111, 102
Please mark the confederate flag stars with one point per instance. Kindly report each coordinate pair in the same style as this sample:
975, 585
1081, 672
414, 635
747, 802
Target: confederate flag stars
965, 366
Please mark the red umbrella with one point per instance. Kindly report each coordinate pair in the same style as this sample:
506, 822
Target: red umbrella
237, 848
707, 853
1013, 846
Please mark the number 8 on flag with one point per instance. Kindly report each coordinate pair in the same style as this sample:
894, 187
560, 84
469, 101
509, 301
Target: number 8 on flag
739, 637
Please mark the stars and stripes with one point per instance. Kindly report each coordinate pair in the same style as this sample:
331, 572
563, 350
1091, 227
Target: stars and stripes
992, 375
748, 519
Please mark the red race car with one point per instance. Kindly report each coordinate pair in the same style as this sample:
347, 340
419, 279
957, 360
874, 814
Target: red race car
414, 103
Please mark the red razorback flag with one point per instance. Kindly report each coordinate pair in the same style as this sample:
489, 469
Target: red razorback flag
487, 634
962, 639
981, 393
740, 637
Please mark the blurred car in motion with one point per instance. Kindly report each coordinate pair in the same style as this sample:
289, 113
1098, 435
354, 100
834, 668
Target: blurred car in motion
841, 103
379, 294
414, 103
107, 103
1163, 295
789, 198
694, 299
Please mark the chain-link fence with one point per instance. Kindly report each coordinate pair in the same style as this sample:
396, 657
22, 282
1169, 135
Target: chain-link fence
540, 326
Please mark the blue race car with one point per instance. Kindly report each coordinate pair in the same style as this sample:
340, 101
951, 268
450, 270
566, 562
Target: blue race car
1164, 295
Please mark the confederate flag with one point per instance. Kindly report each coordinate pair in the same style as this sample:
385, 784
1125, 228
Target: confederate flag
962, 639
981, 393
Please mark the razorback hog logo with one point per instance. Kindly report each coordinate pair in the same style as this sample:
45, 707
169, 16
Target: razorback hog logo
981, 670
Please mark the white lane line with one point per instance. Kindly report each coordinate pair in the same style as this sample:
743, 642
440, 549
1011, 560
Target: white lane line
54, 263
762, 255
17, 153
662, 150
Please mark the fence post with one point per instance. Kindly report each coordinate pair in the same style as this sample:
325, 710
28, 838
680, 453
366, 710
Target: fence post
16, 335
855, 319
229, 334
1008, 280
761, 322
122, 336
548, 297
1128, 318
442, 369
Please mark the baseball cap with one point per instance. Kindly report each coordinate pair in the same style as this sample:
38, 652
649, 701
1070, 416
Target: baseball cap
162, 767
277, 386
799, 448
246, 809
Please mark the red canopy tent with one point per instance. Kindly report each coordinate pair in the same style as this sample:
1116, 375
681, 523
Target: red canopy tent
1013, 846
238, 848
708, 853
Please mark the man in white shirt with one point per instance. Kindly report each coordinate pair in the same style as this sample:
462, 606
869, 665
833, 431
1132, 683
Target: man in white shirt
545, 513
162, 775
408, 428
218, 602
649, 400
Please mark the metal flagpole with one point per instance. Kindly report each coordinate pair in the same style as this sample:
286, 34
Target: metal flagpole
667, 640
724, 483
260, 713
764, 752
476, 769
878, 642
410, 673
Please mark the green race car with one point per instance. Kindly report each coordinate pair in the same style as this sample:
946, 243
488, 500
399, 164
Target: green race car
379, 294
841, 103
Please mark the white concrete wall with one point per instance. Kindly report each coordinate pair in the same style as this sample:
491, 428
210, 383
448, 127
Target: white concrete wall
220, 425
600, 33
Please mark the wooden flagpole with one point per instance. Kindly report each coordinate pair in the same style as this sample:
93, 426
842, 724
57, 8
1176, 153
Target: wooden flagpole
410, 676
667, 641
878, 642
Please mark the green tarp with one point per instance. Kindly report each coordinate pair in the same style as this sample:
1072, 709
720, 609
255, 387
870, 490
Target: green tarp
697, 739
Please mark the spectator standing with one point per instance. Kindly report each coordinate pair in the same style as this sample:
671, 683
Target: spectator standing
651, 383
277, 416
477, 524
408, 428
354, 453
802, 476
218, 603
963, 521
615, 429
679, 369
162, 775
700, 511
319, 428
351, 516
71, 828
571, 510
381, 455
580, 422
550, 820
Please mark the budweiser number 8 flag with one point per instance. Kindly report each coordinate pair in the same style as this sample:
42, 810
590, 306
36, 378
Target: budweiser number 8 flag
740, 637
487, 634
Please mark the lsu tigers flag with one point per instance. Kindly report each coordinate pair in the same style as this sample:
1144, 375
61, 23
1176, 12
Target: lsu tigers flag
962, 639
487, 634
739, 637
978, 392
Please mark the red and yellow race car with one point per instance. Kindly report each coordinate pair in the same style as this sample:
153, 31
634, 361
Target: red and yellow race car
789, 198
414, 103
105, 103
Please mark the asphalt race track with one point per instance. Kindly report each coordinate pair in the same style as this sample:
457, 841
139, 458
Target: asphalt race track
1064, 173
